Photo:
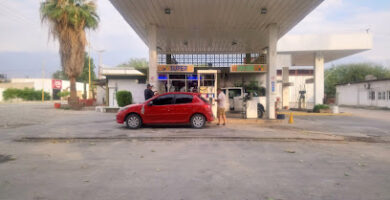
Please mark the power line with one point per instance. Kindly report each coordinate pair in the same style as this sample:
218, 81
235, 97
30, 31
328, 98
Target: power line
14, 13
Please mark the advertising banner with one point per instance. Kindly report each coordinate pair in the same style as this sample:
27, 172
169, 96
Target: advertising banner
244, 68
176, 68
56, 84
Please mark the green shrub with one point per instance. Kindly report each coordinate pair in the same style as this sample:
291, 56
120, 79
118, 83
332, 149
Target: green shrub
318, 107
10, 93
124, 98
27, 94
63, 94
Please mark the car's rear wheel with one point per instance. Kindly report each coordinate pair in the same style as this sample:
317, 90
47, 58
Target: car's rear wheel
133, 121
198, 121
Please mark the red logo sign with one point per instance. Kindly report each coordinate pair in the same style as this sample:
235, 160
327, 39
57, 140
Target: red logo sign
56, 84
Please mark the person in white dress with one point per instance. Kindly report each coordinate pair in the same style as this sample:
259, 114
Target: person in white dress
221, 107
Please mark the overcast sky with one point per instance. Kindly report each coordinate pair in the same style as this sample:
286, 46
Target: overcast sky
25, 45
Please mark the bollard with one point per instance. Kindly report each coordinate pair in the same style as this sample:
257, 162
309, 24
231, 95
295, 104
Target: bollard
291, 119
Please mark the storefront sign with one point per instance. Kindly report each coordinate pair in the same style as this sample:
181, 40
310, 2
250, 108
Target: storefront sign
248, 68
176, 68
273, 86
56, 84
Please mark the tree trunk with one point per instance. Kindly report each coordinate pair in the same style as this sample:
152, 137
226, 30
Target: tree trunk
73, 100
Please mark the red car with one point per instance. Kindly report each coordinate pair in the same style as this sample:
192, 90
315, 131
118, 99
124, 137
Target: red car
168, 108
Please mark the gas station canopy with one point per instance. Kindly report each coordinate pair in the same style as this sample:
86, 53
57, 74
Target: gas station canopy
243, 27
303, 48
212, 26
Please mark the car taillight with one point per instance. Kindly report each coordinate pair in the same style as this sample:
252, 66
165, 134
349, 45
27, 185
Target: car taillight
208, 106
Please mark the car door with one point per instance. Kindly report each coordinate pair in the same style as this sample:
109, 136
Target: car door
159, 110
182, 108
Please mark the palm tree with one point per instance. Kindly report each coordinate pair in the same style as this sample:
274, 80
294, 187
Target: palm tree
68, 20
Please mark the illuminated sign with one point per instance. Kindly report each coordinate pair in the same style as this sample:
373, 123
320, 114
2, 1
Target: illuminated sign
56, 84
249, 68
175, 68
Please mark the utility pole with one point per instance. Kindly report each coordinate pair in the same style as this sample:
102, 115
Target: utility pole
100, 62
43, 81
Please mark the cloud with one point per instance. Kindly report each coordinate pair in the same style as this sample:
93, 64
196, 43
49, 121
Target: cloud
114, 34
351, 16
23, 34
21, 28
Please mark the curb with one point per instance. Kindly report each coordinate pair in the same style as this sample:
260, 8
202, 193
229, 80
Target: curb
251, 121
173, 138
315, 114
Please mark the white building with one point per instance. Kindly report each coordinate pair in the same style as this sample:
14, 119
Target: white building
51, 86
121, 78
374, 93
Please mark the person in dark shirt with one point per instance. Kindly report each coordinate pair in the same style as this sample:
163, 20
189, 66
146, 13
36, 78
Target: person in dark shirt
148, 92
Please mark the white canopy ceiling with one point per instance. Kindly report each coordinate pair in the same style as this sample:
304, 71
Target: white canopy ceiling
212, 26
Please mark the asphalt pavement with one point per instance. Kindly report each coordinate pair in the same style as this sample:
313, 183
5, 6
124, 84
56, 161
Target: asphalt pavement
86, 155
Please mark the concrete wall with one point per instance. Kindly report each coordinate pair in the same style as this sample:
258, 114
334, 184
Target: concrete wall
1, 94
17, 85
132, 85
358, 94
38, 84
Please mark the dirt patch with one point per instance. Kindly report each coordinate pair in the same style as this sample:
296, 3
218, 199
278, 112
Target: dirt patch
6, 158
365, 139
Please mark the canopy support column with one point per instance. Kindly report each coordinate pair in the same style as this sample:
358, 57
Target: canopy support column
152, 39
271, 73
285, 87
318, 78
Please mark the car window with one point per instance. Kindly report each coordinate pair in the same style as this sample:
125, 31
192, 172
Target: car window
183, 98
163, 100
234, 93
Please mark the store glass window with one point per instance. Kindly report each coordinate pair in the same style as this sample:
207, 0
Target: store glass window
371, 95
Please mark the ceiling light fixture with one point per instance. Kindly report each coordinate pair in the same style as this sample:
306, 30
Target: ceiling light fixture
263, 11
167, 11
265, 50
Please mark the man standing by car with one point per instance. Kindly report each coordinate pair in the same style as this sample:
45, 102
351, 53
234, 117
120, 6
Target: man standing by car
221, 107
148, 92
